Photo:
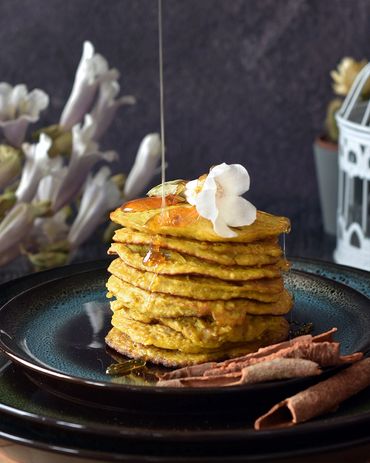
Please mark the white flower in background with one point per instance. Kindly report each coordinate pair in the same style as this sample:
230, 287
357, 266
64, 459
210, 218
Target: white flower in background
50, 184
37, 165
145, 166
16, 225
106, 106
53, 229
100, 196
218, 198
92, 70
85, 154
10, 165
18, 108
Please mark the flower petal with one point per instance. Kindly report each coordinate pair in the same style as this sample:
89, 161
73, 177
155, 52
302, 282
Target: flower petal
191, 192
106, 106
37, 101
18, 108
206, 200
85, 154
15, 131
36, 166
236, 211
15, 226
220, 227
233, 179
100, 196
146, 161
92, 70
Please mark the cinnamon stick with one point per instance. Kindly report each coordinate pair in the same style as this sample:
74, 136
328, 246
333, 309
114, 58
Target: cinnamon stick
318, 399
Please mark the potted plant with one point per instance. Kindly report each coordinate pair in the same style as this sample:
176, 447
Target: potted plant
326, 145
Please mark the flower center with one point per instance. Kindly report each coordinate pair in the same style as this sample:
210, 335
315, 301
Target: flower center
219, 190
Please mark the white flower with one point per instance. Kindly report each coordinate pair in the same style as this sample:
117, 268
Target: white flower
18, 108
38, 163
106, 106
92, 70
100, 196
50, 230
16, 225
85, 154
218, 198
47, 230
10, 165
50, 184
145, 166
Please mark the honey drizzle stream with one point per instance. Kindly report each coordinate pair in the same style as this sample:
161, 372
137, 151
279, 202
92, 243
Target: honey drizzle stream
154, 256
161, 99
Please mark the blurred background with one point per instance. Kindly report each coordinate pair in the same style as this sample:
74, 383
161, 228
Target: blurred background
245, 82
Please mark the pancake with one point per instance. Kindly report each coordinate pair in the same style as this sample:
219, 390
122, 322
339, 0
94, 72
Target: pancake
258, 253
172, 358
195, 335
183, 221
196, 287
174, 263
165, 305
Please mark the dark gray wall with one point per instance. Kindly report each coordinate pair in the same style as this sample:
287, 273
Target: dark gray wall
246, 80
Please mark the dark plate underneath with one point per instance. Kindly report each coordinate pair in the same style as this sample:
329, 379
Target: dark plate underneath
266, 448
21, 398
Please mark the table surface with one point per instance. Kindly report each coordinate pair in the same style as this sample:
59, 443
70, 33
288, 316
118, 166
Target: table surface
306, 240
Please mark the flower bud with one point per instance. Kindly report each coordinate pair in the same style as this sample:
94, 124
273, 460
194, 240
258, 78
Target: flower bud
10, 164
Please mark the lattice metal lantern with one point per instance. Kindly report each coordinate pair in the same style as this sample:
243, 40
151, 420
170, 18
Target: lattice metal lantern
353, 215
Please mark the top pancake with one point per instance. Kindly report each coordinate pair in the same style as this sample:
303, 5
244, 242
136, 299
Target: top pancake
184, 222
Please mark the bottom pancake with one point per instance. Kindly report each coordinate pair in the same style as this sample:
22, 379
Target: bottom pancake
121, 343
197, 335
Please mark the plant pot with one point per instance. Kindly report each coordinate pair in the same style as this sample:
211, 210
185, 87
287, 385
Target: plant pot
326, 162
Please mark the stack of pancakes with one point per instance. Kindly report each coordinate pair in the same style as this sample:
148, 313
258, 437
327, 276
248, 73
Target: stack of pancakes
184, 295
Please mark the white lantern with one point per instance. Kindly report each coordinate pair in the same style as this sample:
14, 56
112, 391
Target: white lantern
353, 215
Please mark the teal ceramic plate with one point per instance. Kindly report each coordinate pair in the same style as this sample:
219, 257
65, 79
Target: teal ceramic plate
57, 328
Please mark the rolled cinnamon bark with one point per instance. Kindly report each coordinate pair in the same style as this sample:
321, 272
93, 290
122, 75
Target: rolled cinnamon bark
318, 399
281, 368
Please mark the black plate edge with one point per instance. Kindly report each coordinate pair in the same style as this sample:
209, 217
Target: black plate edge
137, 458
164, 435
